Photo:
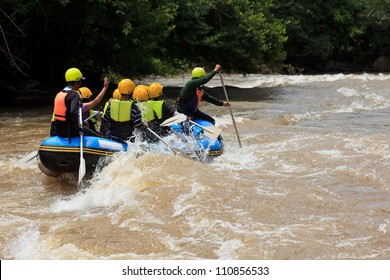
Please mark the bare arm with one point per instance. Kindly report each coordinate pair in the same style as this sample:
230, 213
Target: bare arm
94, 103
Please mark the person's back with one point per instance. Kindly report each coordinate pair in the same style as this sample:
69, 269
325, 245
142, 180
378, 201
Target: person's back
122, 116
141, 97
162, 109
65, 121
121, 128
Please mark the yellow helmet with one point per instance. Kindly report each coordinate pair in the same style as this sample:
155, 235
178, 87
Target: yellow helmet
73, 75
126, 86
85, 92
155, 90
198, 72
116, 94
140, 93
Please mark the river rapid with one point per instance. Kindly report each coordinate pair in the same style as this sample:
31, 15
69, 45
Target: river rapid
311, 181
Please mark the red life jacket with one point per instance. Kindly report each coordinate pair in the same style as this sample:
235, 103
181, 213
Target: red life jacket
199, 93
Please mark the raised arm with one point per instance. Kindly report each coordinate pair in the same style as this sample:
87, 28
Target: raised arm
94, 103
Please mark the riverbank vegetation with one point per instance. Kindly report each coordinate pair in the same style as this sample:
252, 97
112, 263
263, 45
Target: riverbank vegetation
41, 39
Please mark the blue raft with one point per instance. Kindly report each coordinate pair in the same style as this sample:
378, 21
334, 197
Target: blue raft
212, 147
59, 155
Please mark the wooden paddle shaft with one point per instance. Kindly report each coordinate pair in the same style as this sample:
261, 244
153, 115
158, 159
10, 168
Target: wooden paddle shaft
230, 107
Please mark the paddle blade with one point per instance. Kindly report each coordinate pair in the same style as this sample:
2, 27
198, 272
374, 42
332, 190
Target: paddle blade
81, 169
212, 132
27, 160
174, 120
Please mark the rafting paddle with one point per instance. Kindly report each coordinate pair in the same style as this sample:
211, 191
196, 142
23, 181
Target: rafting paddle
94, 115
210, 131
82, 161
230, 107
27, 160
175, 151
174, 120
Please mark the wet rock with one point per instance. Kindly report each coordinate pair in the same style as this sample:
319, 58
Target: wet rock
382, 64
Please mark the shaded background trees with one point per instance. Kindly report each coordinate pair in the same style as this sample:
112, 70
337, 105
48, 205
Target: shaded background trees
322, 31
41, 39
96, 36
240, 34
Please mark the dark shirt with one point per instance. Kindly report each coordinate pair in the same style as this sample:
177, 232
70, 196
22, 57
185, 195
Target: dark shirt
188, 100
167, 111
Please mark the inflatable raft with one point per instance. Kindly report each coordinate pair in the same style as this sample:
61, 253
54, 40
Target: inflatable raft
59, 155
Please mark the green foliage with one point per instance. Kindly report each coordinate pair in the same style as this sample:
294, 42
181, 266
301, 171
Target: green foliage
239, 34
376, 18
140, 37
377, 12
321, 30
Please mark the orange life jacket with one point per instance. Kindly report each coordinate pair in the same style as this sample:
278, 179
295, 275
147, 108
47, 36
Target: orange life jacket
60, 107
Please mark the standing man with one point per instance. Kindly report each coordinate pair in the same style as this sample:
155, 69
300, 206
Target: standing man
65, 121
192, 93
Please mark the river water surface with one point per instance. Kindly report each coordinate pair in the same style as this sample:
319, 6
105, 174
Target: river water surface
311, 181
